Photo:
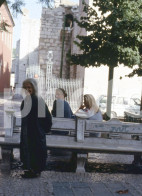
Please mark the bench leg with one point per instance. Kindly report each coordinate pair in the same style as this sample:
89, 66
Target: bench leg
7, 154
137, 160
81, 159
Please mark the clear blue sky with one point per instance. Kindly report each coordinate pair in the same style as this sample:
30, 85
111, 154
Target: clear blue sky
34, 12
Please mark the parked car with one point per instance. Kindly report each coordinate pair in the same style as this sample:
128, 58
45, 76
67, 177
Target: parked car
119, 105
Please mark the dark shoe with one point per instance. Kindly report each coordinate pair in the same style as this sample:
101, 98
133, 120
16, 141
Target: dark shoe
30, 174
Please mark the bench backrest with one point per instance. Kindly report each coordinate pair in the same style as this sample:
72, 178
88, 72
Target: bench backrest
81, 127
114, 125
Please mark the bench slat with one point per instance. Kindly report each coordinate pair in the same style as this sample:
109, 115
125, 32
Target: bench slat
11, 141
63, 123
58, 123
130, 128
94, 144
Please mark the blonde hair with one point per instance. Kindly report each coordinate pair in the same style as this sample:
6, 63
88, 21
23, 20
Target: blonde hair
33, 82
91, 102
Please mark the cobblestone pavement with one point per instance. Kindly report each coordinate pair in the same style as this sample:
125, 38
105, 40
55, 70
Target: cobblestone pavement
69, 184
74, 184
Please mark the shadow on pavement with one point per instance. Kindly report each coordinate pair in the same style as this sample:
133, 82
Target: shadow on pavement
63, 164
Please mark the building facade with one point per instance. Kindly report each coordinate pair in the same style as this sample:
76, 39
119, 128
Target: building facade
27, 47
56, 31
5, 47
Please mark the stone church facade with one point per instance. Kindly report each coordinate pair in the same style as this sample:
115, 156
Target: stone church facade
56, 31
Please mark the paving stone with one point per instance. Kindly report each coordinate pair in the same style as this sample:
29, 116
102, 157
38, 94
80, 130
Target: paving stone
62, 184
82, 191
134, 190
62, 191
79, 184
99, 189
118, 186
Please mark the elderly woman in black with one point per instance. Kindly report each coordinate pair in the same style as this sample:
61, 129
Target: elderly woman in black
36, 122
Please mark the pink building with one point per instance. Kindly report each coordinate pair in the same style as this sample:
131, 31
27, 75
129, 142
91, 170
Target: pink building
5, 47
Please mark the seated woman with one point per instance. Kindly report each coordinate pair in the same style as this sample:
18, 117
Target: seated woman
61, 108
90, 110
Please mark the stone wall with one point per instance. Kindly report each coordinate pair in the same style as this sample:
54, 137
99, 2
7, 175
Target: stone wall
78, 71
51, 39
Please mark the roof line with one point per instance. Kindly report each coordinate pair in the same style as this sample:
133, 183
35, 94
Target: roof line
5, 3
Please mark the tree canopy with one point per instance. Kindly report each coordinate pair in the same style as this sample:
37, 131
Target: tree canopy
137, 72
17, 4
16, 8
115, 34
114, 37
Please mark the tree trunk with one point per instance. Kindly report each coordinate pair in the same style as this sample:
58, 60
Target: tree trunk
109, 92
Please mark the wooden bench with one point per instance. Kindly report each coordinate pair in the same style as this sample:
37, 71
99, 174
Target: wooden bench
118, 139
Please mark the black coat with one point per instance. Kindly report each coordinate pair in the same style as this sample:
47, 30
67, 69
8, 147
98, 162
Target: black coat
35, 125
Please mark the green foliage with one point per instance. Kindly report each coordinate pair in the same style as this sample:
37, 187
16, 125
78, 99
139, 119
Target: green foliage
137, 72
48, 3
115, 34
15, 6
